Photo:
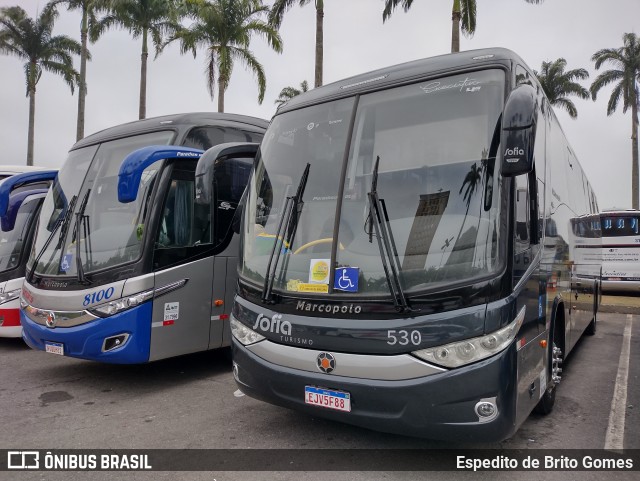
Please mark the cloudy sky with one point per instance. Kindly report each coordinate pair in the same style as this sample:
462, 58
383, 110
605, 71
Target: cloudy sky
356, 41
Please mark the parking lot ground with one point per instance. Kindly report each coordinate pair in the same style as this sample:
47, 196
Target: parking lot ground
192, 402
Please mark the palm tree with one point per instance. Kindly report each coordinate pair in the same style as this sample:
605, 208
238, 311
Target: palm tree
88, 9
224, 28
558, 84
141, 18
31, 40
275, 18
625, 74
463, 17
288, 93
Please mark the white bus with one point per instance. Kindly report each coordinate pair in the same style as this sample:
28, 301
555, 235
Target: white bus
621, 250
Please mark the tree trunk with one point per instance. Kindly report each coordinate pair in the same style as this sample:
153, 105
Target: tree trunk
319, 41
32, 116
455, 27
143, 76
634, 152
31, 89
82, 90
222, 86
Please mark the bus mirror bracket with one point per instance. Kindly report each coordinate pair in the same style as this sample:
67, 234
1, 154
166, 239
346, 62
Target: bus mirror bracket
205, 169
134, 164
519, 131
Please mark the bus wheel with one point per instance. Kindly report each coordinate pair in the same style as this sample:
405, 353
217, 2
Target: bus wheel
591, 328
548, 399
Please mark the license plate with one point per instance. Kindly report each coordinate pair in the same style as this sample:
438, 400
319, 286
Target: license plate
54, 348
327, 398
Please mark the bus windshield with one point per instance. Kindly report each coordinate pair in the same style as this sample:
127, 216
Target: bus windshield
435, 144
110, 233
12, 242
620, 225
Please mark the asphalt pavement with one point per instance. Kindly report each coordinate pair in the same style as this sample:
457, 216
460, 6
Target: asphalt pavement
192, 402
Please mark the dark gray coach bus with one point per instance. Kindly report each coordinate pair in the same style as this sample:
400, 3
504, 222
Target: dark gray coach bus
126, 267
399, 237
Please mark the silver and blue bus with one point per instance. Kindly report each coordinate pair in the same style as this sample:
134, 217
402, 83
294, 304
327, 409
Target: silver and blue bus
399, 235
126, 267
21, 196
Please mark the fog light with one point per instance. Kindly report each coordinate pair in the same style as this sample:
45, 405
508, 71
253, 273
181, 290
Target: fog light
486, 410
236, 376
114, 342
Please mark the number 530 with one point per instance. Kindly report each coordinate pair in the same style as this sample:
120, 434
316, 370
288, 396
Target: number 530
403, 337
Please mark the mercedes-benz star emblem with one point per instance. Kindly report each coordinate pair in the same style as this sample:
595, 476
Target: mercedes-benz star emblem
326, 362
51, 319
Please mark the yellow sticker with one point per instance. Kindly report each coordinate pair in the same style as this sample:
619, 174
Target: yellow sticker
292, 285
319, 271
322, 288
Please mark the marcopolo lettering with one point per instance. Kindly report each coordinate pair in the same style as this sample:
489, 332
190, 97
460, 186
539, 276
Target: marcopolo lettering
328, 308
274, 324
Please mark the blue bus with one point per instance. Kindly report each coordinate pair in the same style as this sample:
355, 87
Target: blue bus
126, 266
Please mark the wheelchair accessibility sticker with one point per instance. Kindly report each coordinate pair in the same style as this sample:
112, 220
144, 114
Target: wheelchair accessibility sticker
346, 279
65, 263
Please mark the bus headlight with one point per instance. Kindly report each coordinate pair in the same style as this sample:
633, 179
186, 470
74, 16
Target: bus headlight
243, 334
465, 352
114, 307
10, 295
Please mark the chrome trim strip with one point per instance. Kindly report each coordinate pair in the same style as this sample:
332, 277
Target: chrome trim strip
161, 291
62, 318
361, 366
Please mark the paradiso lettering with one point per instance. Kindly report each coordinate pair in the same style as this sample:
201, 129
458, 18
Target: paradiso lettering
328, 308
460, 85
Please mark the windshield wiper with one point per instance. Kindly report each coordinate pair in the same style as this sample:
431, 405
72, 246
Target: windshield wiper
291, 211
81, 218
62, 221
379, 219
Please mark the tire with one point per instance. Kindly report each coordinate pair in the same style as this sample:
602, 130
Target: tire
591, 328
548, 399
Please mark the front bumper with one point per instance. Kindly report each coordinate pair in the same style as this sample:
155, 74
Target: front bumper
86, 340
621, 286
439, 406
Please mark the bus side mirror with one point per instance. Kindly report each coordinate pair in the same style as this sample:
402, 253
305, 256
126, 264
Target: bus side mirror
519, 131
205, 170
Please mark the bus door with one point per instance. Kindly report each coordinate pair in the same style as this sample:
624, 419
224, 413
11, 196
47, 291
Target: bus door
229, 179
183, 266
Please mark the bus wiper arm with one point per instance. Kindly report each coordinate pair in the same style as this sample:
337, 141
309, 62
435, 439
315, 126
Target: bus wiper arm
292, 210
81, 219
62, 221
379, 219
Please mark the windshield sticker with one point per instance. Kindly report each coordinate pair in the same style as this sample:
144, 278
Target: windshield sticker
466, 85
292, 285
319, 271
346, 279
317, 288
65, 263
171, 312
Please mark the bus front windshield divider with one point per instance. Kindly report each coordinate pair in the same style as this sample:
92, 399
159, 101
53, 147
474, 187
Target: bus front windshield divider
379, 220
81, 218
285, 233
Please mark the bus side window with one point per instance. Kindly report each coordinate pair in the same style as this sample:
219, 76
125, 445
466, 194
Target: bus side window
184, 228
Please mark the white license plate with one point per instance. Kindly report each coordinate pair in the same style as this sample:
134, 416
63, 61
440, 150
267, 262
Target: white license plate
54, 348
327, 398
